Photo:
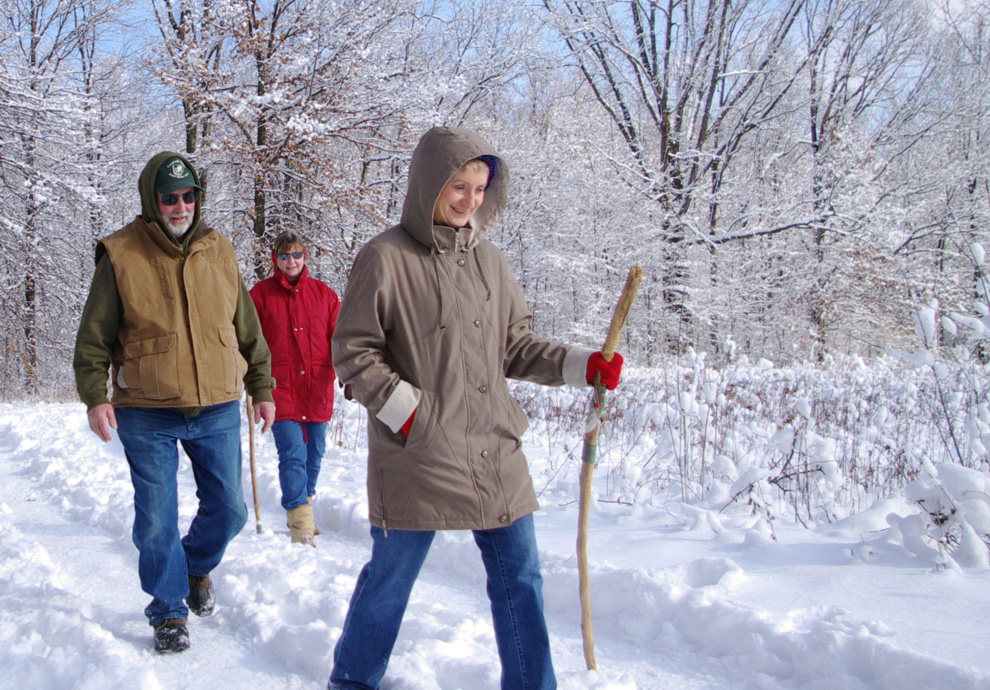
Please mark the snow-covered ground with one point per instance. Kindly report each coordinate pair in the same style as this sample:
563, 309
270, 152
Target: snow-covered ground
676, 603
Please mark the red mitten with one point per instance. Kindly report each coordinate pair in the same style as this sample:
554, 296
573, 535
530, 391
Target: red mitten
609, 370
408, 425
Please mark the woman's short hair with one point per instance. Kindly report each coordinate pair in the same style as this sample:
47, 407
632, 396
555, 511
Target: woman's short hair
285, 240
486, 163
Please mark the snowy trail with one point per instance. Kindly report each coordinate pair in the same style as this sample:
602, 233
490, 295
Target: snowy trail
68, 575
71, 606
280, 605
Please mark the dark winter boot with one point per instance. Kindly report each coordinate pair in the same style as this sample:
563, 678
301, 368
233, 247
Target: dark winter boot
171, 636
202, 598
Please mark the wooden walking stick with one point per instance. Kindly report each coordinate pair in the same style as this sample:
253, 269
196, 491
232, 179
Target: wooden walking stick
254, 475
589, 459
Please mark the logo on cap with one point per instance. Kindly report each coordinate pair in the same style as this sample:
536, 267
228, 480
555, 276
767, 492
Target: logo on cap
177, 170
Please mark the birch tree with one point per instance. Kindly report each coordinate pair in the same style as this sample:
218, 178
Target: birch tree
45, 176
685, 85
868, 81
192, 42
293, 96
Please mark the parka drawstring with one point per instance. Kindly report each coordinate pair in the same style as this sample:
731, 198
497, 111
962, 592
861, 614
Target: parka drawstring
434, 250
436, 273
481, 272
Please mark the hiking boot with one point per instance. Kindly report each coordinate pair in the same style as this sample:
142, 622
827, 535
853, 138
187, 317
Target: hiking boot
171, 636
301, 525
316, 530
202, 598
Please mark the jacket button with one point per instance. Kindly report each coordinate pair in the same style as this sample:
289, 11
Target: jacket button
304, 417
477, 323
484, 453
503, 518
483, 389
461, 262
302, 373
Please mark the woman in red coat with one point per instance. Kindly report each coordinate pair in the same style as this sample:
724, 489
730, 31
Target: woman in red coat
298, 315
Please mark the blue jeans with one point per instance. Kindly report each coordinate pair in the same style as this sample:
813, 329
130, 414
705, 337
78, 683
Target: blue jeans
212, 441
299, 459
515, 590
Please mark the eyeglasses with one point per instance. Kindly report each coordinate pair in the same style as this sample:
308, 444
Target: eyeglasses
190, 197
294, 255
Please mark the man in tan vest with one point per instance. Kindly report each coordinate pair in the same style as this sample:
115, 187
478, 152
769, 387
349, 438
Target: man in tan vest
170, 318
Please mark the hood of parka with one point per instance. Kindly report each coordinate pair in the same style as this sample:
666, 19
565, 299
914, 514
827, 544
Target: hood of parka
441, 153
149, 203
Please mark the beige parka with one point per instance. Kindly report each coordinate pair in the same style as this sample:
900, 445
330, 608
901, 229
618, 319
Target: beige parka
433, 321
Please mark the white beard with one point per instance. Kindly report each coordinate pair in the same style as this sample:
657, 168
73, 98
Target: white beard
178, 228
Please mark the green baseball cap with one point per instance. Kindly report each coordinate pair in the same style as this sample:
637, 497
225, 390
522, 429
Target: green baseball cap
174, 174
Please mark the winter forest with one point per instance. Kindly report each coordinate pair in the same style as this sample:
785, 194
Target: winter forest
805, 184
795, 177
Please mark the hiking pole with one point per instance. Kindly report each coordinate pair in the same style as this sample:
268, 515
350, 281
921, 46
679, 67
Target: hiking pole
254, 475
589, 458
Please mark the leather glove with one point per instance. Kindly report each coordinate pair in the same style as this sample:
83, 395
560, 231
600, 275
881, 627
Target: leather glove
609, 370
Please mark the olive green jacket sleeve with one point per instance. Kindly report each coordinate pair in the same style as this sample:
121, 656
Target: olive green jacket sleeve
96, 336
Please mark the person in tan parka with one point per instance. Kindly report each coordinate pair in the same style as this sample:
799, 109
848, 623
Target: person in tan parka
431, 326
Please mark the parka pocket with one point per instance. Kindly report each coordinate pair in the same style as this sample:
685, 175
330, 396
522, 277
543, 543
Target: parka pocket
234, 364
513, 423
424, 428
152, 364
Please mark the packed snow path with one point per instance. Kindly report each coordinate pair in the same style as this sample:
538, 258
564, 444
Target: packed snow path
71, 606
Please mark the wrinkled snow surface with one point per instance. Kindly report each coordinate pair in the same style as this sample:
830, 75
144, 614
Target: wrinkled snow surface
680, 599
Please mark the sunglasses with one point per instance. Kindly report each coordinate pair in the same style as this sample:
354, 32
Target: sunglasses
294, 255
190, 197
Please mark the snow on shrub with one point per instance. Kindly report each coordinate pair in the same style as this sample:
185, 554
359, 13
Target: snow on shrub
750, 441
952, 525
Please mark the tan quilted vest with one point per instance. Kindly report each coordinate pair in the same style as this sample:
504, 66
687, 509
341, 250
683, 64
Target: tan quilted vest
177, 346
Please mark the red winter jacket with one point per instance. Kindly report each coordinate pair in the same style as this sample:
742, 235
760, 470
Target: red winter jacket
298, 322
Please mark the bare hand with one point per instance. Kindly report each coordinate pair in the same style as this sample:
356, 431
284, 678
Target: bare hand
265, 411
101, 420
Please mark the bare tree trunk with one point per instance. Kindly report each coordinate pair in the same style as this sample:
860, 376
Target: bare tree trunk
260, 265
30, 312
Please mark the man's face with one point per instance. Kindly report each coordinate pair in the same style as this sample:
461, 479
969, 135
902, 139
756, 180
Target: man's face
179, 214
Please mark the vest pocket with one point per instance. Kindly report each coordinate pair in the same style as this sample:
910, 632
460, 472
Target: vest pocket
152, 364
234, 364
